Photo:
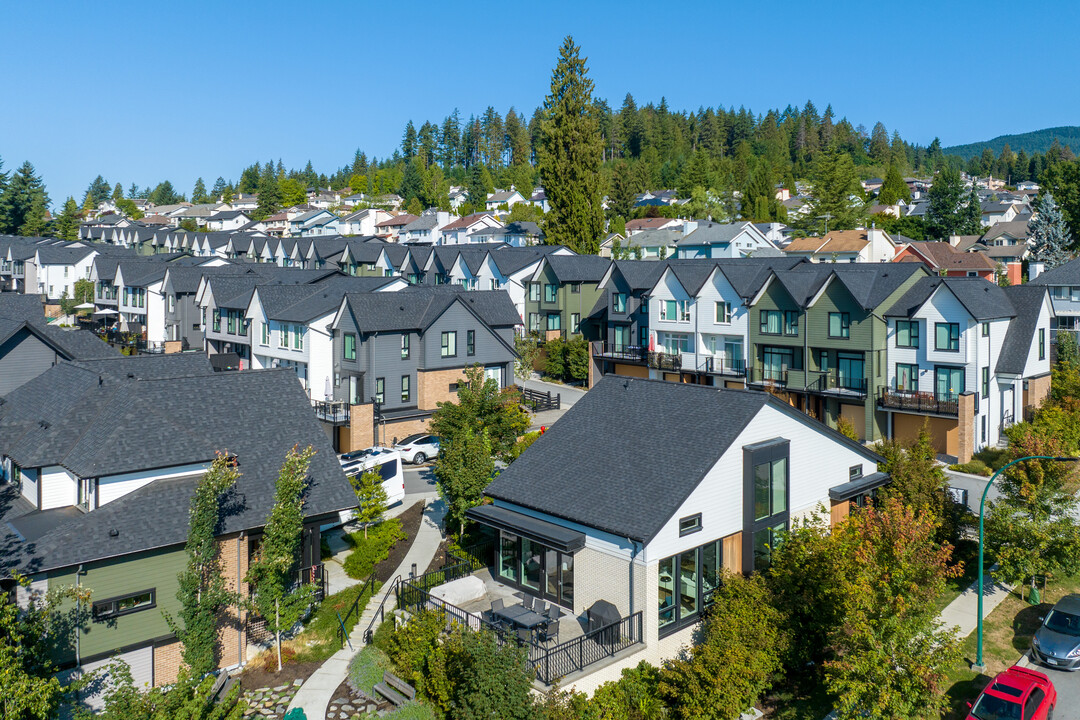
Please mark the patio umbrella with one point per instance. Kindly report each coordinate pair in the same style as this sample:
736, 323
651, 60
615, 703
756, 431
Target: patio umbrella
85, 306
328, 389
107, 311
652, 342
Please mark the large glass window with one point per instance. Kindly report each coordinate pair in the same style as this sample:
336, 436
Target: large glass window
947, 337
770, 322
907, 377
907, 333
666, 597
508, 556
534, 292
449, 344
675, 343
575, 322
949, 382
791, 322
850, 371
618, 302
551, 292
554, 321
536, 568
765, 541
723, 312
621, 334
530, 563
770, 488
350, 346
687, 583
839, 325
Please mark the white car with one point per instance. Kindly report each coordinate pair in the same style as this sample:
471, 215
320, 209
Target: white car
386, 462
419, 448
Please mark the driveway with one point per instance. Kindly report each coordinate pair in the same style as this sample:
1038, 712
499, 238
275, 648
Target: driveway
419, 480
567, 397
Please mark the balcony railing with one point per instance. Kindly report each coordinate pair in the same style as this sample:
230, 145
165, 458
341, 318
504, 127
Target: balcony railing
614, 351
832, 383
920, 402
723, 366
768, 377
331, 411
665, 361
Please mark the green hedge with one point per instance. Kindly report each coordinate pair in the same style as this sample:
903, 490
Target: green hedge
370, 551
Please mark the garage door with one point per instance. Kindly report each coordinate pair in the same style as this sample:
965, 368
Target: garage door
141, 662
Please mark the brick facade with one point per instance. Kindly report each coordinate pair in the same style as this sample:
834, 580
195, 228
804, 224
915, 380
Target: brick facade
167, 662
1036, 390
966, 415
433, 387
234, 566
361, 428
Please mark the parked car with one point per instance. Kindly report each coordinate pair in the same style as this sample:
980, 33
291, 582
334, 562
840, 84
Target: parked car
385, 461
351, 461
1016, 694
419, 448
1057, 641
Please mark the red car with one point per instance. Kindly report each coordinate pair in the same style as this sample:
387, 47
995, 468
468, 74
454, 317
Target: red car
1016, 694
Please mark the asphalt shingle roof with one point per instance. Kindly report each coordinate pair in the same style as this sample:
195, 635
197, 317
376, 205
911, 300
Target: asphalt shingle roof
1065, 274
415, 308
981, 298
1027, 302
578, 268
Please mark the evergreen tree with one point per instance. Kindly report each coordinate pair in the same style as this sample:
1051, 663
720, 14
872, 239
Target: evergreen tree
408, 142
249, 179
837, 200
35, 223
118, 192
569, 155
273, 574
67, 225
880, 150
428, 143
24, 202
164, 194
971, 218
479, 186
1049, 233
269, 193
946, 201
99, 190
198, 193
218, 190
133, 191
292, 192
202, 593
412, 181
894, 188
621, 197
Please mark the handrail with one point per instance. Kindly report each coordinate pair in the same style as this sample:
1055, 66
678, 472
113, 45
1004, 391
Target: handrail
368, 584
380, 614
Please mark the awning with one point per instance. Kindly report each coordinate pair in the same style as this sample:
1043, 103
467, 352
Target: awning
548, 533
857, 487
85, 306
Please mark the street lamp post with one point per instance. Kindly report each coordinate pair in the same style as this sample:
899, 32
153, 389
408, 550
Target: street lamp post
978, 666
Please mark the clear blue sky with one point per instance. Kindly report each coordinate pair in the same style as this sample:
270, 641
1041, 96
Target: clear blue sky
147, 91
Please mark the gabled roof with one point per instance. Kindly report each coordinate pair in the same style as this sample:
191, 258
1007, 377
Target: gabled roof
1027, 302
303, 303
943, 255
578, 268
397, 221
981, 298
467, 221
710, 233
1014, 228
582, 472
1065, 274
62, 255
97, 424
840, 241
416, 308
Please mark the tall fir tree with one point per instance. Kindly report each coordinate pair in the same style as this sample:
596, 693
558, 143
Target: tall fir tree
894, 188
99, 190
946, 201
269, 192
569, 156
117, 192
408, 141
836, 201
412, 181
67, 225
198, 193
202, 593
218, 190
24, 201
1049, 233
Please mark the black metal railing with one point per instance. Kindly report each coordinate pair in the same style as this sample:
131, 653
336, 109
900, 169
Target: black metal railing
768, 377
919, 402
614, 351
367, 591
832, 382
723, 366
665, 361
380, 612
539, 401
334, 411
551, 663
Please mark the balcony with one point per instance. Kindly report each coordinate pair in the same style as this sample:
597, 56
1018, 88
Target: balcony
769, 378
664, 361
723, 366
919, 402
613, 351
832, 383
335, 412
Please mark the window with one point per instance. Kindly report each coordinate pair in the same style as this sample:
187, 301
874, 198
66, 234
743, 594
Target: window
575, 288
688, 525
544, 571
854, 472
283, 336
947, 337
575, 322
791, 322
217, 315
534, 292
618, 302
770, 489
380, 390
172, 302
298, 337
675, 310
405, 394
948, 382
986, 329
449, 344
839, 325
907, 333
405, 346
770, 322
907, 377
470, 342
349, 343
551, 292
554, 321
1042, 343
123, 605
723, 312
687, 583
230, 316
534, 322
674, 343
644, 305
265, 333
985, 382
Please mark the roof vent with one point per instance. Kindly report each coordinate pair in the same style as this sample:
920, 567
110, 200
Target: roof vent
113, 532
131, 376
43, 424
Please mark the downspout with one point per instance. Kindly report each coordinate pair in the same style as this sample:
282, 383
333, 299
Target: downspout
78, 618
239, 604
633, 556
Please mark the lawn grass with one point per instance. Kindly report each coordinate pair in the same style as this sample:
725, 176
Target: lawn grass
320, 636
1007, 635
966, 552
370, 551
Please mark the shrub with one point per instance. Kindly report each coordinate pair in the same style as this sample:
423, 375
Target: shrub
846, 428
370, 551
577, 359
975, 467
555, 364
523, 444
367, 668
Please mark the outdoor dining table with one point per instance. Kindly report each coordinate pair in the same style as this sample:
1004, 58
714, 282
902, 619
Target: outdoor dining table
521, 616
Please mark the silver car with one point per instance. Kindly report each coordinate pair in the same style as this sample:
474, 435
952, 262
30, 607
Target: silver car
1057, 641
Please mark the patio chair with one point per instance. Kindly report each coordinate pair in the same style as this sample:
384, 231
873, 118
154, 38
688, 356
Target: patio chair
538, 607
527, 601
496, 606
551, 631
553, 612
524, 636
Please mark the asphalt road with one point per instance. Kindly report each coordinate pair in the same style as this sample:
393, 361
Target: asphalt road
419, 479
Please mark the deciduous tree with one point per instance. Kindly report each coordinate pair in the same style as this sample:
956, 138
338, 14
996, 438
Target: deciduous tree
372, 497
481, 406
463, 469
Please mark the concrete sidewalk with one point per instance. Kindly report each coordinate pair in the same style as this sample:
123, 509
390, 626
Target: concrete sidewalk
962, 613
318, 690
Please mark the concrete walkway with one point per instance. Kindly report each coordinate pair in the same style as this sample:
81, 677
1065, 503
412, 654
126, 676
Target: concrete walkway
318, 690
568, 395
962, 613
336, 578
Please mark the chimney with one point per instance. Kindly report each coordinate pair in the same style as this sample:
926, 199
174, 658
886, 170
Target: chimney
1035, 269
688, 227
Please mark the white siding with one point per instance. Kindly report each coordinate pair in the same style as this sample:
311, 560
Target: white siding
116, 486
58, 487
30, 485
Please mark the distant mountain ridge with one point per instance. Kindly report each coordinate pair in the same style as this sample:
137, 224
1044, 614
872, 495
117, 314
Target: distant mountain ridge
1030, 142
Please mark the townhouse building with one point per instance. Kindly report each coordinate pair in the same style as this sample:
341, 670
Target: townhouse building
562, 291
58, 267
724, 240
1063, 283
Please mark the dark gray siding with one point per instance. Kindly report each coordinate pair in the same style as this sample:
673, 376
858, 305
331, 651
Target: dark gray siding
383, 353
22, 358
489, 351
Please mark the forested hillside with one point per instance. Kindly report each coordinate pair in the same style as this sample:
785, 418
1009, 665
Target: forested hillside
1037, 141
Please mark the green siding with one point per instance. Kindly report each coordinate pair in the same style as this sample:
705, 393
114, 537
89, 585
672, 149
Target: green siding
566, 302
157, 569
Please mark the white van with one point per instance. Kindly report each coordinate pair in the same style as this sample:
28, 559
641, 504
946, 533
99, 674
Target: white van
386, 462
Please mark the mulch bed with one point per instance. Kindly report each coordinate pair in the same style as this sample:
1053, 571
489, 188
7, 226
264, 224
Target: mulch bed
255, 677
441, 557
410, 523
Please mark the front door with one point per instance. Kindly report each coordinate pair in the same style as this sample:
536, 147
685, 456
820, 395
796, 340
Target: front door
949, 382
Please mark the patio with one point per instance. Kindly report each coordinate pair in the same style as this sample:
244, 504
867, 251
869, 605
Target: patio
570, 627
